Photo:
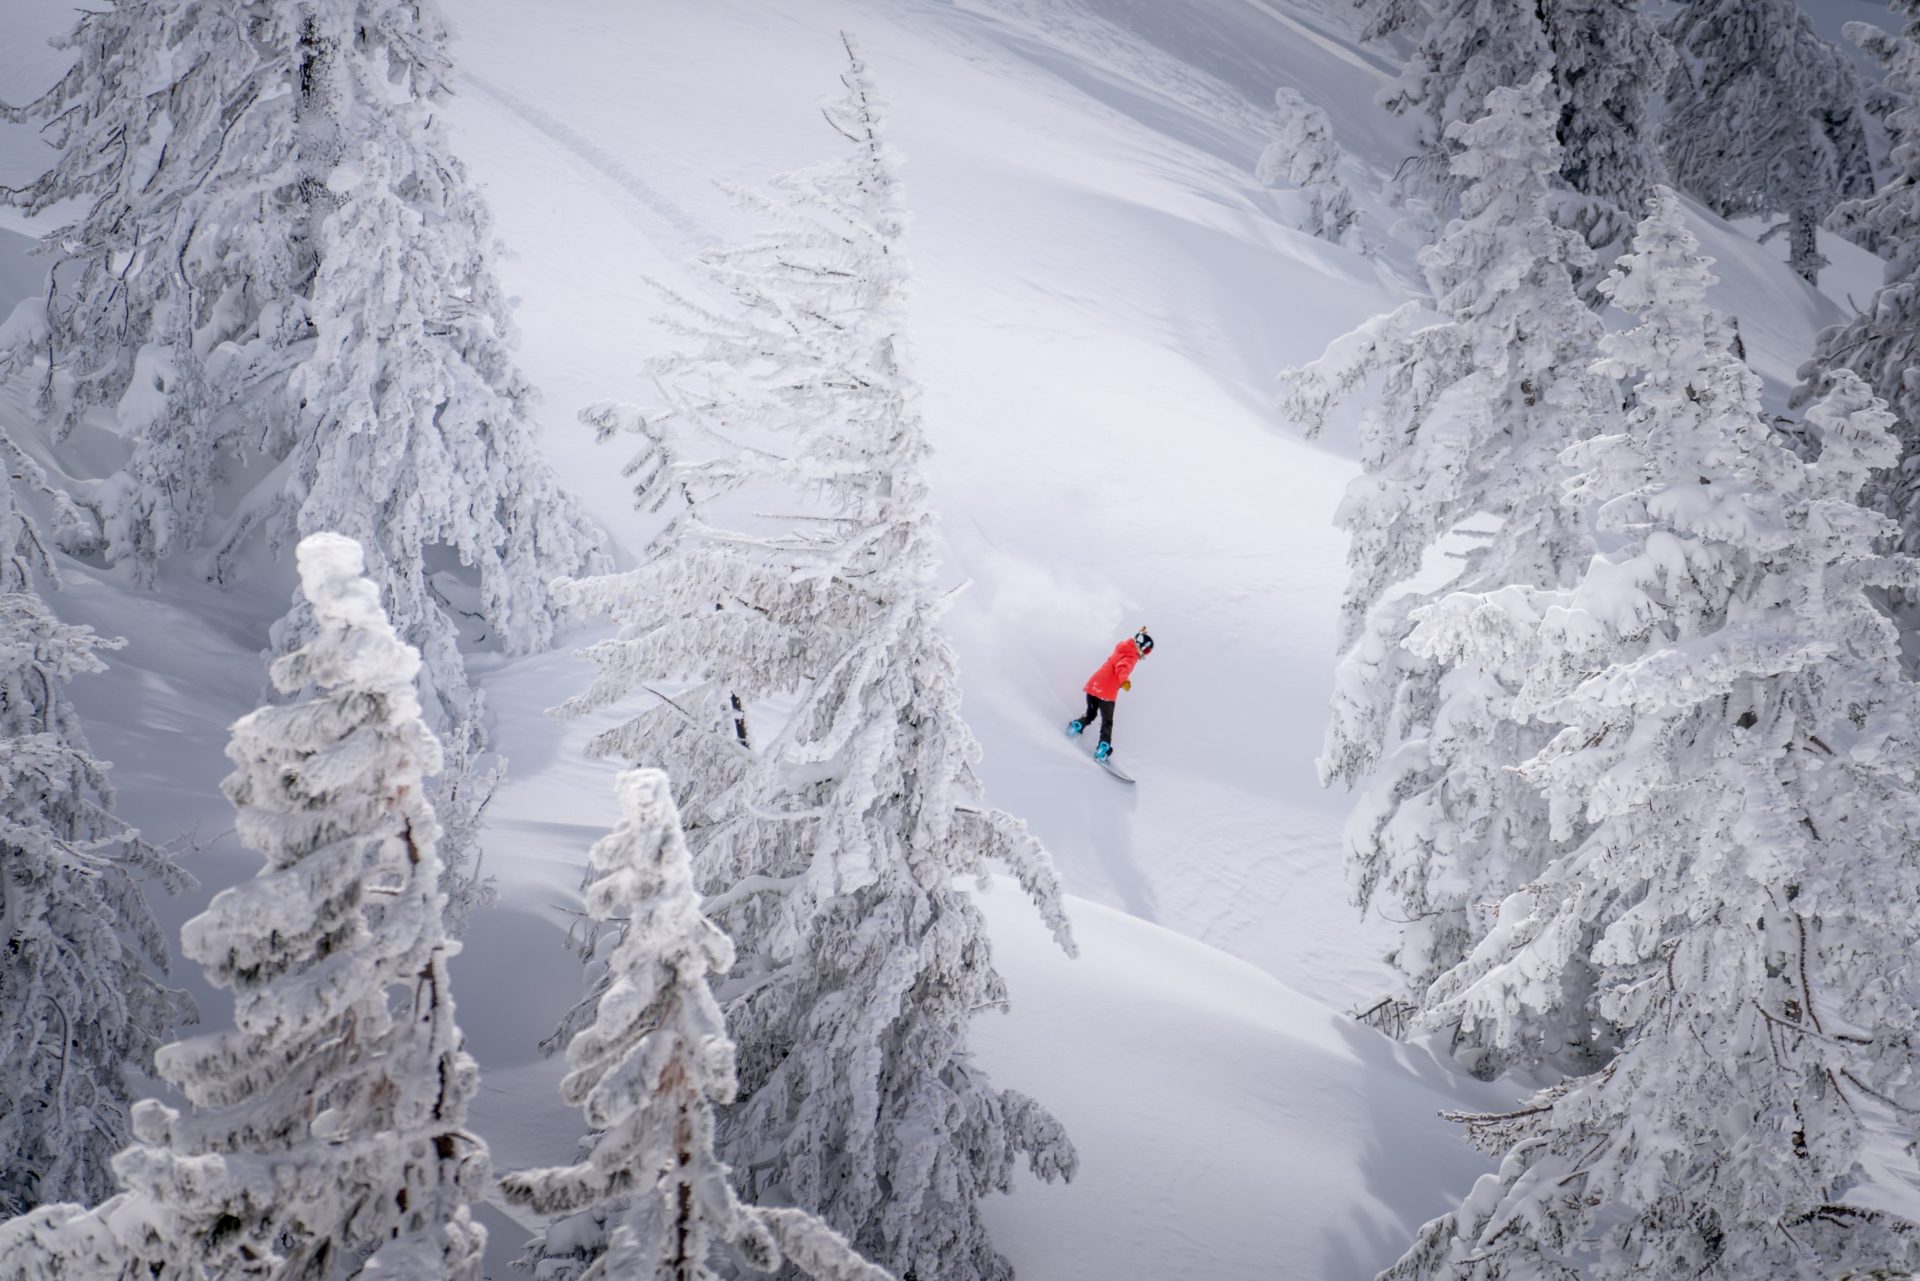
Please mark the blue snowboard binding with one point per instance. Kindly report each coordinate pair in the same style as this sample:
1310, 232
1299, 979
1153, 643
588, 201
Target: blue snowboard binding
1103, 751
1074, 728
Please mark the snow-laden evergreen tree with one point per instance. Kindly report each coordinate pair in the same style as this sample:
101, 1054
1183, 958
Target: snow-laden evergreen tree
1610, 63
1607, 62
1460, 458
1764, 117
411, 431
1305, 156
175, 295
79, 1002
1882, 342
651, 1201
1381, 19
1466, 49
277, 251
829, 849
1738, 767
280, 256
1882, 100
327, 1128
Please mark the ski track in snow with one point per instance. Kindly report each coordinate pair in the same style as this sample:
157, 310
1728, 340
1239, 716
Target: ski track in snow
1333, 47
683, 234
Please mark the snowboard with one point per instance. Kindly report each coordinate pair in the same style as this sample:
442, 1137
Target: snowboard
1110, 767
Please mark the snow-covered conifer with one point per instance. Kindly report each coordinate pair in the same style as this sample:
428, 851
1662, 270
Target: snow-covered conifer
1380, 19
1460, 456
79, 1006
1764, 117
1737, 770
651, 1200
1606, 60
327, 1127
410, 429
829, 849
1610, 63
1466, 50
1882, 342
278, 252
408, 424
1862, 220
1304, 156
175, 295
279, 255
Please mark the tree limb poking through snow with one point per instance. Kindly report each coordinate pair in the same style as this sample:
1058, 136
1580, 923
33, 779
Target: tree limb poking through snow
1306, 157
1460, 456
1738, 769
1607, 61
1764, 117
831, 847
327, 1135
651, 1200
280, 256
79, 1006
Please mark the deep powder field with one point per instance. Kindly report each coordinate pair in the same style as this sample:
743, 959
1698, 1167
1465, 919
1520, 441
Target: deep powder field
1103, 285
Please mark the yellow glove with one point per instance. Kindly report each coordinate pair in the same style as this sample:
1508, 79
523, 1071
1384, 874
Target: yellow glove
1126, 684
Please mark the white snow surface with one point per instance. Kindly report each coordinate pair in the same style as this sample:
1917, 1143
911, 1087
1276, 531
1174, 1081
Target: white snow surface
1104, 296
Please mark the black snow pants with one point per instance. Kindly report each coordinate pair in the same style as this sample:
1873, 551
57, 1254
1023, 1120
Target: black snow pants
1103, 708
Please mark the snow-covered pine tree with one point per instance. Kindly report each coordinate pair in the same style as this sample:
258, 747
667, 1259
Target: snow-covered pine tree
1738, 766
1607, 61
1610, 63
280, 255
177, 293
829, 852
1304, 156
328, 1126
1460, 458
1764, 117
1466, 50
1882, 342
651, 1200
79, 1004
408, 427
1380, 19
411, 431
1882, 99
267, 188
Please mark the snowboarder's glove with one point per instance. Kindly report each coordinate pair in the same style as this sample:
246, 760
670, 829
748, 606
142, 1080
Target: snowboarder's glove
1126, 684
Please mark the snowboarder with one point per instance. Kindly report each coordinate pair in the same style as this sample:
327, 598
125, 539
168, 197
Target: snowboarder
1104, 686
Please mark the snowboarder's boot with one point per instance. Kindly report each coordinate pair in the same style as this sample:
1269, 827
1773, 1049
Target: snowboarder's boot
1103, 751
1074, 728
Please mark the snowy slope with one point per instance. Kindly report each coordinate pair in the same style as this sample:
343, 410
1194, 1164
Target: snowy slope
1228, 1127
1104, 296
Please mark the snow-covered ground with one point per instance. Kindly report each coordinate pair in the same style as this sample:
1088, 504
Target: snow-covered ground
1104, 296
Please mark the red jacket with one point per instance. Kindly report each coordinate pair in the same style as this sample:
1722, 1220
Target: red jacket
1105, 683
